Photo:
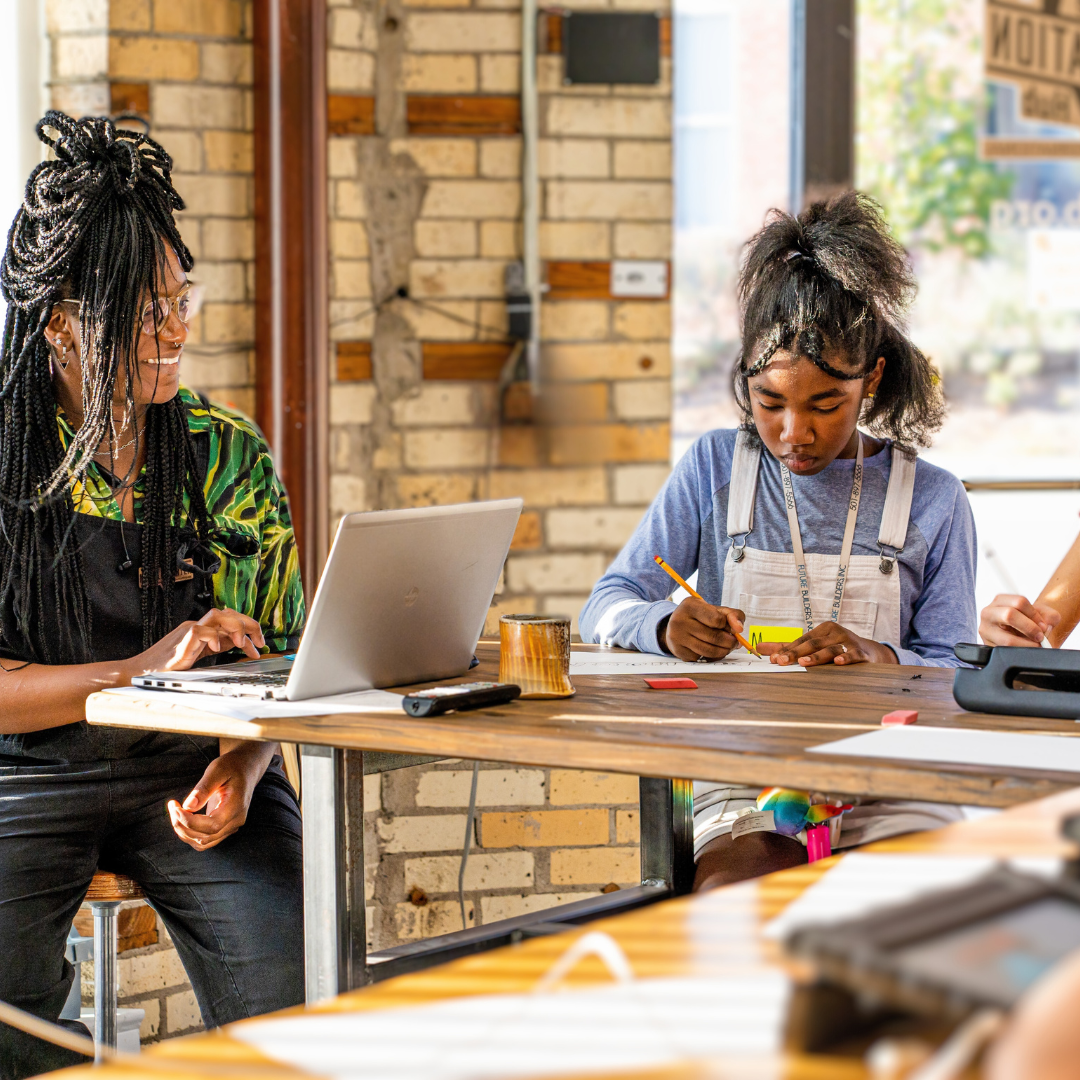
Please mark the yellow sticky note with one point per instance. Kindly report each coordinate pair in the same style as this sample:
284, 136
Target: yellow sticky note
757, 634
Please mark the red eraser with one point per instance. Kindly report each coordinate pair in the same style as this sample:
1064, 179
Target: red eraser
901, 716
672, 684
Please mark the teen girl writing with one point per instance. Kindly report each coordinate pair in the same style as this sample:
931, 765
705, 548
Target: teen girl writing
141, 528
836, 545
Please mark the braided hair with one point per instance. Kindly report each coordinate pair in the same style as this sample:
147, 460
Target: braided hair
95, 225
833, 282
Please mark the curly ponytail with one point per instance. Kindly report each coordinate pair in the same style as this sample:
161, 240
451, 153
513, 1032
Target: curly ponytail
833, 283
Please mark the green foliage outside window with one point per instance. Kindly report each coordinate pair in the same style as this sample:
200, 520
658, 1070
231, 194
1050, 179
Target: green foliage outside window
918, 123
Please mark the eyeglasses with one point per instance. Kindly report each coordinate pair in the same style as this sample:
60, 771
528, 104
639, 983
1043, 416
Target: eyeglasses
186, 304
155, 315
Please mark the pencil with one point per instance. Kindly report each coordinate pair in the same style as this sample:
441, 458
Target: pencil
674, 575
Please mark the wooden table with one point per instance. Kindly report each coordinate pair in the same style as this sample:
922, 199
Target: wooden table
711, 934
749, 728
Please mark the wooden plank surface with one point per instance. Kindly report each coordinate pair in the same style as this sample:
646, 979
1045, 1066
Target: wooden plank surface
716, 934
467, 114
353, 361
749, 728
350, 114
464, 359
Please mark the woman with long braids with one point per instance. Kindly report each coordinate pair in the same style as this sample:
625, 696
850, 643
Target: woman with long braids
141, 528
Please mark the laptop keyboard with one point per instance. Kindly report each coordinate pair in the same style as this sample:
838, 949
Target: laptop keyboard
277, 678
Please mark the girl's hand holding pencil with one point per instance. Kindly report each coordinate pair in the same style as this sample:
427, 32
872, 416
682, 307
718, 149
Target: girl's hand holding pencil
697, 630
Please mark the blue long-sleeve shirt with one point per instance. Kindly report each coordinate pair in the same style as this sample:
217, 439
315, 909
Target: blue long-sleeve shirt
687, 525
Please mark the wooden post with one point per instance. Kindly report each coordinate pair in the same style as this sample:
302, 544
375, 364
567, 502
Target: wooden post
291, 260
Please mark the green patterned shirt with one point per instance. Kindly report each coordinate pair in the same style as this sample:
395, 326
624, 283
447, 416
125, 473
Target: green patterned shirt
243, 495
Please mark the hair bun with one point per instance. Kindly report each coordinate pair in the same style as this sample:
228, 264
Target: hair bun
93, 151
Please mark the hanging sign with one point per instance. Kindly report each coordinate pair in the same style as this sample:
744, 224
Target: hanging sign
1036, 46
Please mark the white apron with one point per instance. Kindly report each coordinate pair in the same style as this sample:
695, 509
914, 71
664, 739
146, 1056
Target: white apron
866, 597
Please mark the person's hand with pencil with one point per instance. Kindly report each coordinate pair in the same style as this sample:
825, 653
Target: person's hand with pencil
697, 630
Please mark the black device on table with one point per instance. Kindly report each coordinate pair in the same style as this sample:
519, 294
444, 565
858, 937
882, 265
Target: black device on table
1018, 681
942, 956
444, 699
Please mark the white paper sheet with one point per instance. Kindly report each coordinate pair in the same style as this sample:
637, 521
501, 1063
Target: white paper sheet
361, 701
605, 662
863, 881
630, 1026
962, 746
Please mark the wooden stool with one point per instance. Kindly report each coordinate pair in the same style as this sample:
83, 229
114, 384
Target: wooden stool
104, 897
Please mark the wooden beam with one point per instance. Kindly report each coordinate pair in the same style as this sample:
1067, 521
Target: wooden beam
350, 114
465, 359
129, 97
291, 259
574, 280
472, 114
353, 361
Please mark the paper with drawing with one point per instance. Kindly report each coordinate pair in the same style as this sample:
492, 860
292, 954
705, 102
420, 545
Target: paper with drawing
617, 662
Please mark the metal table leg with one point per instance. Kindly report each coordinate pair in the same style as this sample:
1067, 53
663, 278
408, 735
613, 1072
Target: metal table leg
667, 833
335, 937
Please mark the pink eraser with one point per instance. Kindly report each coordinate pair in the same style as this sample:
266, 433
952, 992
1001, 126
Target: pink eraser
671, 684
901, 716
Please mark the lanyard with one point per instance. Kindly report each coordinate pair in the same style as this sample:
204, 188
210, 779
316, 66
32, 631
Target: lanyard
845, 551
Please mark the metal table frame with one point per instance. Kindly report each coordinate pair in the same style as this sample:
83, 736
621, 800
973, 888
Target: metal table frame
335, 934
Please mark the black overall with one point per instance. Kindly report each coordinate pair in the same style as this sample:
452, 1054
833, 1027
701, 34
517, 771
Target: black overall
76, 798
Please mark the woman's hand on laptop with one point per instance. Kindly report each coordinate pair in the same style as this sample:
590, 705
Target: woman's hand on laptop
224, 792
697, 630
1014, 620
217, 631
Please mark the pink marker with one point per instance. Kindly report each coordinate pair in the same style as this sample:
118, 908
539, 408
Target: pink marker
817, 842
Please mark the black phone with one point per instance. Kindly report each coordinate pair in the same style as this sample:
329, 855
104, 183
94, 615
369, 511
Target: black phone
444, 699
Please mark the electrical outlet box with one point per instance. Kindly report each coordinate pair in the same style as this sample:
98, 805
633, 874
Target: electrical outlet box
611, 47
638, 277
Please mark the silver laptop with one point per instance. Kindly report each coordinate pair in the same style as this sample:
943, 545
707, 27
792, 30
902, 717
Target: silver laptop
402, 599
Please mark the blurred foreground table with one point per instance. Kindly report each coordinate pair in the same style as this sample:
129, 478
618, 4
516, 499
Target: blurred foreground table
712, 939
753, 729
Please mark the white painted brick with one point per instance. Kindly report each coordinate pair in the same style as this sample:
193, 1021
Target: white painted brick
428, 832
68, 16
372, 793
607, 528
350, 403
349, 71
447, 448
574, 158
150, 971
341, 157
348, 240
645, 399
609, 116
218, 196
463, 32
350, 29
472, 199
553, 573
436, 239
151, 1022
223, 280
494, 787
193, 106
614, 200
436, 406
494, 908
637, 485
350, 279
640, 240
349, 199
182, 1011
348, 494
497, 870
85, 57
412, 923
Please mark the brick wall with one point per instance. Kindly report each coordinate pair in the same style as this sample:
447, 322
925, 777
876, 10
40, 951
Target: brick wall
187, 68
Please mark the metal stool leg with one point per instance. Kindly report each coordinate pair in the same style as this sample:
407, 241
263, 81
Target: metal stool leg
105, 974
